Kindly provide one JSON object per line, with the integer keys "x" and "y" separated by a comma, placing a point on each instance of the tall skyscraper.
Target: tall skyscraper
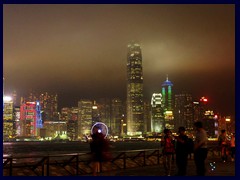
{"x": 86, "y": 110}
{"x": 183, "y": 111}
{"x": 31, "y": 120}
{"x": 135, "y": 116}
{"x": 117, "y": 117}
{"x": 157, "y": 118}
{"x": 167, "y": 96}
{"x": 8, "y": 119}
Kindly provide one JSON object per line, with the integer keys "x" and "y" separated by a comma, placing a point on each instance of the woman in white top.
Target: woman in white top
{"x": 200, "y": 149}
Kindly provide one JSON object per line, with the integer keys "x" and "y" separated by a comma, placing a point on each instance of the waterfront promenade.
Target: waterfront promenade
{"x": 222, "y": 169}
{"x": 140, "y": 162}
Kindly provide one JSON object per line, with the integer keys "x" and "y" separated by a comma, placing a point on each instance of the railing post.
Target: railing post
{"x": 124, "y": 160}
{"x": 11, "y": 168}
{"x": 144, "y": 158}
{"x": 45, "y": 166}
{"x": 76, "y": 164}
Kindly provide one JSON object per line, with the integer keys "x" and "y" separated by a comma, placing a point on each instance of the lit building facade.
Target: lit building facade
{"x": 8, "y": 118}
{"x": 48, "y": 102}
{"x": 55, "y": 130}
{"x": 135, "y": 121}
{"x": 167, "y": 99}
{"x": 73, "y": 123}
{"x": 204, "y": 113}
{"x": 157, "y": 118}
{"x": 85, "y": 116}
{"x": 147, "y": 116}
{"x": 104, "y": 112}
{"x": 16, "y": 116}
{"x": 117, "y": 117}
{"x": 30, "y": 119}
{"x": 183, "y": 111}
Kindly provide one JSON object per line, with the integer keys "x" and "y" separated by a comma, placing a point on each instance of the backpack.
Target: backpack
{"x": 169, "y": 146}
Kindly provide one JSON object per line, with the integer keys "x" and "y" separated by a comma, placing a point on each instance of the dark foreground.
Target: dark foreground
{"x": 222, "y": 169}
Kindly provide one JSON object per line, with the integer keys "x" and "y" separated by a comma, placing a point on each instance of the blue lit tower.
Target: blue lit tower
{"x": 135, "y": 120}
{"x": 39, "y": 123}
{"x": 167, "y": 97}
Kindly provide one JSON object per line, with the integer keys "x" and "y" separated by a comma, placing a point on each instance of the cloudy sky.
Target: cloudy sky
{"x": 80, "y": 51}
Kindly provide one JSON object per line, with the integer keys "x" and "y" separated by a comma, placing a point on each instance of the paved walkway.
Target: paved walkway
{"x": 221, "y": 169}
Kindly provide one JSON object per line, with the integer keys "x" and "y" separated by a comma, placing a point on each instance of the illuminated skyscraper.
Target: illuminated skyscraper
{"x": 157, "y": 118}
{"x": 86, "y": 109}
{"x": 117, "y": 117}
{"x": 183, "y": 111}
{"x": 167, "y": 96}
{"x": 8, "y": 120}
{"x": 135, "y": 121}
{"x": 30, "y": 119}
{"x": 48, "y": 102}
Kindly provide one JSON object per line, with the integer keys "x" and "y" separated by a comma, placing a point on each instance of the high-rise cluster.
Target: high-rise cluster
{"x": 38, "y": 115}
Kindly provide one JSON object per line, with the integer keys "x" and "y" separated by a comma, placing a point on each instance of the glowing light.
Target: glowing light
{"x": 228, "y": 119}
{"x": 7, "y": 98}
{"x": 28, "y": 103}
{"x": 204, "y": 99}
{"x": 212, "y": 166}
{"x": 94, "y": 107}
{"x": 102, "y": 128}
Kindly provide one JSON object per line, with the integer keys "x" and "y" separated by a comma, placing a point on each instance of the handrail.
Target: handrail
{"x": 41, "y": 165}
{"x": 77, "y": 163}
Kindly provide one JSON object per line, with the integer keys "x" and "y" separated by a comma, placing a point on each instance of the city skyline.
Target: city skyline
{"x": 80, "y": 51}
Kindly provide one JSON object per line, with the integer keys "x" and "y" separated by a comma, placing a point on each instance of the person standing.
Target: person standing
{"x": 100, "y": 151}
{"x": 232, "y": 146}
{"x": 223, "y": 143}
{"x": 200, "y": 148}
{"x": 182, "y": 152}
{"x": 168, "y": 150}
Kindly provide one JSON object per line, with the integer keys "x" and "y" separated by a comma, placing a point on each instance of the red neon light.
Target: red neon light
{"x": 204, "y": 99}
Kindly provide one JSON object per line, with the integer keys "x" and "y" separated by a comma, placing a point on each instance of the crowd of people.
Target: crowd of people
{"x": 180, "y": 146}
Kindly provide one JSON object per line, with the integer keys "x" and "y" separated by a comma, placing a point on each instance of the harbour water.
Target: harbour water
{"x": 52, "y": 148}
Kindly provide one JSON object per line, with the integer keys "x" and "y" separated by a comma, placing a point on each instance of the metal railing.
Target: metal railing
{"x": 75, "y": 164}
{"x": 81, "y": 163}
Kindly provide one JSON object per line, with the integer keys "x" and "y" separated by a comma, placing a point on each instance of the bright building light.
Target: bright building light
{"x": 228, "y": 119}
{"x": 7, "y": 98}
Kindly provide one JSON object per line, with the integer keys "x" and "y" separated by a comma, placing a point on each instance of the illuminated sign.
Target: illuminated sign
{"x": 29, "y": 103}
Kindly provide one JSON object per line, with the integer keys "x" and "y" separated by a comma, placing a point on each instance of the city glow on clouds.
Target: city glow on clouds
{"x": 80, "y": 50}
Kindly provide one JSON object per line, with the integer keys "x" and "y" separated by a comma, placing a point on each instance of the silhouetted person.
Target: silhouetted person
{"x": 100, "y": 151}
{"x": 223, "y": 143}
{"x": 200, "y": 148}
{"x": 232, "y": 146}
{"x": 168, "y": 151}
{"x": 182, "y": 152}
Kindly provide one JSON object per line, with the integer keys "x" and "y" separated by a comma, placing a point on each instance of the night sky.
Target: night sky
{"x": 80, "y": 51}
